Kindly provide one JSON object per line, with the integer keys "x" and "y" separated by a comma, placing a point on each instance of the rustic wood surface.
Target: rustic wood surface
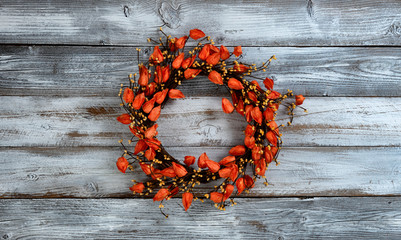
{"x": 98, "y": 71}
{"x": 268, "y": 218}
{"x": 61, "y": 64}
{"x": 196, "y": 121}
{"x": 250, "y": 23}
{"x": 309, "y": 171}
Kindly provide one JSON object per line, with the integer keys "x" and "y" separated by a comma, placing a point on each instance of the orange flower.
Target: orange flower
{"x": 138, "y": 188}
{"x": 260, "y": 167}
{"x": 148, "y": 106}
{"x": 215, "y": 77}
{"x": 273, "y": 126}
{"x": 152, "y": 131}
{"x": 124, "y": 118}
{"x": 234, "y": 84}
{"x": 189, "y": 160}
{"x": 234, "y": 97}
{"x": 248, "y": 110}
{"x": 143, "y": 76}
{"x": 154, "y": 114}
{"x": 249, "y": 142}
{"x": 128, "y": 95}
{"x": 274, "y": 151}
{"x": 138, "y": 101}
{"x": 234, "y": 172}
{"x": 191, "y": 73}
{"x": 224, "y": 53}
{"x": 274, "y": 106}
{"x": 202, "y": 160}
{"x": 225, "y": 172}
{"x": 227, "y": 106}
{"x": 257, "y": 115}
{"x": 168, "y": 172}
{"x": 256, "y": 153}
{"x": 268, "y": 114}
{"x": 158, "y": 75}
{"x": 150, "y": 154}
{"x": 269, "y": 83}
{"x": 153, "y": 143}
{"x": 150, "y": 89}
{"x": 178, "y": 60}
{"x": 214, "y": 49}
{"x": 229, "y": 190}
{"x": 271, "y": 137}
{"x": 227, "y": 160}
{"x": 146, "y": 168}
{"x": 252, "y": 96}
{"x": 157, "y": 56}
{"x": 160, "y": 96}
{"x": 175, "y": 93}
{"x": 240, "y": 107}
{"x": 161, "y": 194}
{"x": 166, "y": 73}
{"x": 156, "y": 174}
{"x": 237, "y": 150}
{"x": 187, "y": 198}
{"x": 213, "y": 59}
{"x": 274, "y": 95}
{"x": 188, "y": 62}
{"x": 171, "y": 44}
{"x": 212, "y": 165}
{"x": 237, "y": 51}
{"x": 230, "y": 171}
{"x": 240, "y": 185}
{"x": 250, "y": 130}
{"x": 254, "y": 82}
{"x": 240, "y": 68}
{"x": 205, "y": 52}
{"x": 180, "y": 43}
{"x": 268, "y": 155}
{"x": 299, "y": 99}
{"x": 179, "y": 169}
{"x": 140, "y": 146}
{"x": 249, "y": 183}
{"x": 122, "y": 164}
{"x": 196, "y": 34}
{"x": 216, "y": 197}
{"x": 137, "y": 131}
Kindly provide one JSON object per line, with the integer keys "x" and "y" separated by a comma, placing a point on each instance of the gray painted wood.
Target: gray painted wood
{"x": 98, "y": 71}
{"x": 271, "y": 218}
{"x": 195, "y": 121}
{"x": 90, "y": 172}
{"x": 256, "y": 23}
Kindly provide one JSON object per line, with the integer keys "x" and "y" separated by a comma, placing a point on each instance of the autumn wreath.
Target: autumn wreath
{"x": 168, "y": 67}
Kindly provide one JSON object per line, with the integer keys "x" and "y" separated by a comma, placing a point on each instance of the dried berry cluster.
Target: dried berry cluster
{"x": 145, "y": 96}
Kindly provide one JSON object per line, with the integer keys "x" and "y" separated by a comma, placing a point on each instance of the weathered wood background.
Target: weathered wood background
{"x": 61, "y": 64}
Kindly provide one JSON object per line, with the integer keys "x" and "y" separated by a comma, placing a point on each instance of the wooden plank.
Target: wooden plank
{"x": 87, "y": 172}
{"x": 256, "y": 23}
{"x": 98, "y": 71}
{"x": 195, "y": 121}
{"x": 276, "y": 218}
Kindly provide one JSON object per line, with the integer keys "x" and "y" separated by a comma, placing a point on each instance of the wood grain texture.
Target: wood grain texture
{"x": 99, "y": 71}
{"x": 195, "y": 121}
{"x": 275, "y": 218}
{"x": 90, "y": 172}
{"x": 256, "y": 23}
